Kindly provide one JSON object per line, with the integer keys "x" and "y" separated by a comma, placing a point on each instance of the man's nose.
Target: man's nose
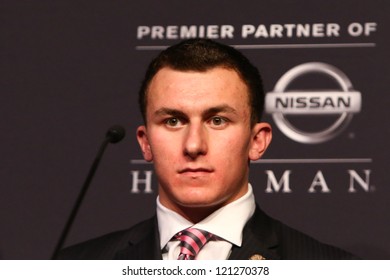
{"x": 195, "y": 143}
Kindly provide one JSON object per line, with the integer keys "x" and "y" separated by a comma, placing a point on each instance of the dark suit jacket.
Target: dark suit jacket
{"x": 262, "y": 236}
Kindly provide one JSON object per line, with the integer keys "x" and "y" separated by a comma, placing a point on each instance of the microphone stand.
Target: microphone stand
{"x": 114, "y": 135}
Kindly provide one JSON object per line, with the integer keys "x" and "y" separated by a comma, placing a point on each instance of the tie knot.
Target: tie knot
{"x": 191, "y": 241}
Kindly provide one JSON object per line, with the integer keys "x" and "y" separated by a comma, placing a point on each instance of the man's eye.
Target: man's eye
{"x": 218, "y": 121}
{"x": 172, "y": 122}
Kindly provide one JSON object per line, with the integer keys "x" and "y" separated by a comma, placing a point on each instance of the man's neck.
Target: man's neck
{"x": 196, "y": 214}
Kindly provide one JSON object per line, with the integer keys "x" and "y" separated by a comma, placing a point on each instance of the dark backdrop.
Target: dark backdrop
{"x": 71, "y": 69}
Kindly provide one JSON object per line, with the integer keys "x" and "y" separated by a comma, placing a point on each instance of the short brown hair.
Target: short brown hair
{"x": 202, "y": 55}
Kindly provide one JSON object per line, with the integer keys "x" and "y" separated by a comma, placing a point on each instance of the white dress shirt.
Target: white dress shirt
{"x": 226, "y": 222}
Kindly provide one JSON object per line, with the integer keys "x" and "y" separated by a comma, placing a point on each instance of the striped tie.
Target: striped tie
{"x": 191, "y": 241}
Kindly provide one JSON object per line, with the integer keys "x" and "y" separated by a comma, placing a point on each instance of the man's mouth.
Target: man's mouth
{"x": 195, "y": 171}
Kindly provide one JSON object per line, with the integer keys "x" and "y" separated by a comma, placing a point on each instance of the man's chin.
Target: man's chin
{"x": 200, "y": 204}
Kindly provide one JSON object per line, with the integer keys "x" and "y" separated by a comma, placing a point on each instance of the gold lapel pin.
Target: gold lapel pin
{"x": 257, "y": 257}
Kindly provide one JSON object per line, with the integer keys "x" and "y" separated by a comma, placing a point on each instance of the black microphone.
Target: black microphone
{"x": 115, "y": 134}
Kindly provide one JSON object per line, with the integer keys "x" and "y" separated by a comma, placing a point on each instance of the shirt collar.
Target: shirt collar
{"x": 226, "y": 222}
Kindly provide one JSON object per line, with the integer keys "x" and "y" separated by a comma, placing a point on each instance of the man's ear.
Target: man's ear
{"x": 261, "y": 138}
{"x": 143, "y": 141}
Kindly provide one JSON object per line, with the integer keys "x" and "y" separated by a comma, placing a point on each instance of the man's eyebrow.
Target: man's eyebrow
{"x": 220, "y": 109}
{"x": 168, "y": 111}
{"x": 164, "y": 111}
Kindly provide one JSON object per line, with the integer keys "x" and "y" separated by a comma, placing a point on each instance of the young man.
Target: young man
{"x": 202, "y": 104}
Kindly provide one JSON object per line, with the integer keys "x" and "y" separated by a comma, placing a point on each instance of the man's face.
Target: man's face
{"x": 199, "y": 137}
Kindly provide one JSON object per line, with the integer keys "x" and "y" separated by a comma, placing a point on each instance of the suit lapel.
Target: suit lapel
{"x": 144, "y": 246}
{"x": 259, "y": 239}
